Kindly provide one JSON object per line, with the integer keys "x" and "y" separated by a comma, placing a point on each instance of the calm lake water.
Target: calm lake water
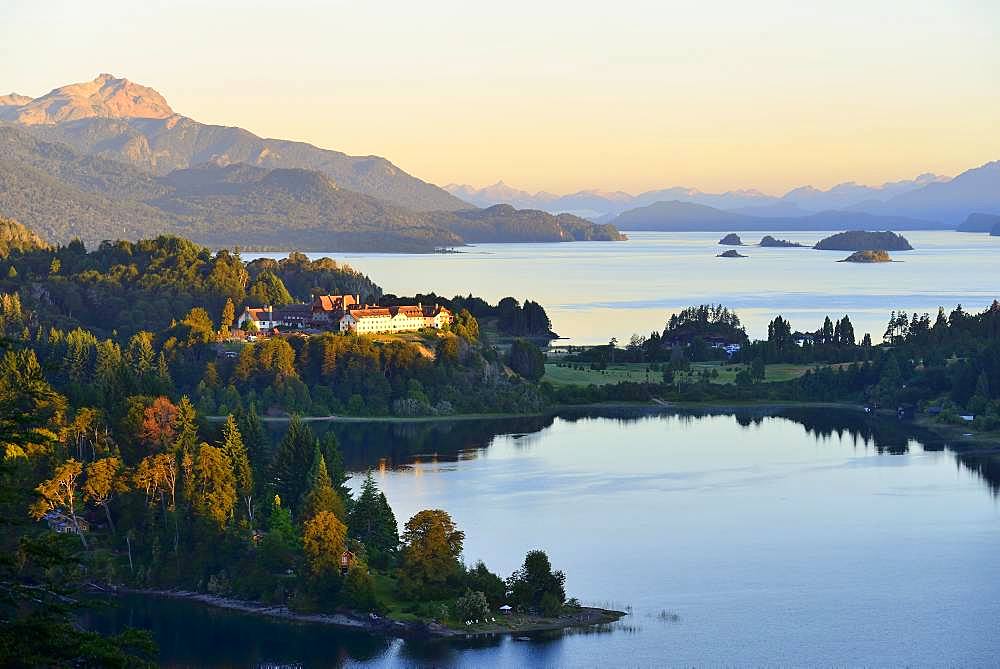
{"x": 801, "y": 538}
{"x": 597, "y": 290}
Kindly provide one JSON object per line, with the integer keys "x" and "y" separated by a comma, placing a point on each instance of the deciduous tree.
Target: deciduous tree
{"x": 323, "y": 541}
{"x": 431, "y": 547}
{"x": 105, "y": 478}
{"x": 159, "y": 424}
{"x": 59, "y": 494}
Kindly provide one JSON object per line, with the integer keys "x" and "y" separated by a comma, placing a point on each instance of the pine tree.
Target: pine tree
{"x": 293, "y": 461}
{"x": 186, "y": 427}
{"x": 335, "y": 465}
{"x": 320, "y": 496}
{"x": 372, "y": 521}
{"x": 255, "y": 439}
{"x": 163, "y": 379}
{"x": 232, "y": 445}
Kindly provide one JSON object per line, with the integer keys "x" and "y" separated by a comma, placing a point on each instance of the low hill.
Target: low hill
{"x": 863, "y": 240}
{"x": 979, "y": 223}
{"x": 678, "y": 216}
{"x": 16, "y": 237}
{"x": 504, "y": 223}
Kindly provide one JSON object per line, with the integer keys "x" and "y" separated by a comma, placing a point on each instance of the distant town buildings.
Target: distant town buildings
{"x": 344, "y": 313}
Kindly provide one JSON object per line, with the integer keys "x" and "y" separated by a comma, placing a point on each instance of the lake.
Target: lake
{"x": 799, "y": 537}
{"x": 597, "y": 290}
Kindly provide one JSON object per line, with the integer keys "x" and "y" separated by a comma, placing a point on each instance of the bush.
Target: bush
{"x": 471, "y": 606}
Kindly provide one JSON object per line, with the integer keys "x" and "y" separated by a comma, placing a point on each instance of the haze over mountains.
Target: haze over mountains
{"x": 110, "y": 158}
{"x": 928, "y": 201}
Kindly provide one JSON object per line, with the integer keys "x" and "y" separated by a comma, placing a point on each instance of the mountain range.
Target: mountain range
{"x": 927, "y": 201}
{"x": 110, "y": 158}
{"x": 62, "y": 194}
{"x": 675, "y": 216}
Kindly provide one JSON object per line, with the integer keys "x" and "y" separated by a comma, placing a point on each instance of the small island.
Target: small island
{"x": 868, "y": 257}
{"x": 863, "y": 240}
{"x": 731, "y": 253}
{"x": 732, "y": 239}
{"x": 770, "y": 242}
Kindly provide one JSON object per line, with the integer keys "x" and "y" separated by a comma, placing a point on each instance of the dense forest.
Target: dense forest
{"x": 135, "y": 454}
{"x": 134, "y": 320}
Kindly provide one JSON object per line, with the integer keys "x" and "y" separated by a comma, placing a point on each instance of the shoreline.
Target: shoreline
{"x": 959, "y": 434}
{"x": 584, "y": 617}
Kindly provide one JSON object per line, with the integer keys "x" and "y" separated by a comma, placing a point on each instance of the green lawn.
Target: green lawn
{"x": 568, "y": 376}
{"x": 637, "y": 372}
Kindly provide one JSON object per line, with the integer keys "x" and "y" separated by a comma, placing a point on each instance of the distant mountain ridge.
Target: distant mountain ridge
{"x": 110, "y": 159}
{"x": 104, "y": 97}
{"x": 603, "y": 206}
{"x": 117, "y": 119}
{"x": 973, "y": 191}
{"x": 678, "y": 216}
{"x": 62, "y": 194}
{"x": 978, "y": 222}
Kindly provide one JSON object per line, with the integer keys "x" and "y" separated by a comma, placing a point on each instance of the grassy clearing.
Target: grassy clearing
{"x": 568, "y": 376}
{"x": 639, "y": 372}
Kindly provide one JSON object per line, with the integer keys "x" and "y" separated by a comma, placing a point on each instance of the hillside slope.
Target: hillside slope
{"x": 117, "y": 119}
{"x": 63, "y": 194}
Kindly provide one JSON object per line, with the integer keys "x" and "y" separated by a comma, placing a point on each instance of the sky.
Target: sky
{"x": 558, "y": 96}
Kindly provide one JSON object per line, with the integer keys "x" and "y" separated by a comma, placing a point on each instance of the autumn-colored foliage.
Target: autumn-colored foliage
{"x": 159, "y": 424}
{"x": 323, "y": 540}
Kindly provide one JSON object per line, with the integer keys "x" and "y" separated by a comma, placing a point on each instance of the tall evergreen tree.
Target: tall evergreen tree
{"x": 256, "y": 440}
{"x": 232, "y": 445}
{"x": 293, "y": 462}
{"x": 186, "y": 427}
{"x": 330, "y": 448}
{"x": 372, "y": 521}
{"x": 320, "y": 496}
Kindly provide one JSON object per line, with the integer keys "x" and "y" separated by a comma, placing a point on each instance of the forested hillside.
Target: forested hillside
{"x": 65, "y": 195}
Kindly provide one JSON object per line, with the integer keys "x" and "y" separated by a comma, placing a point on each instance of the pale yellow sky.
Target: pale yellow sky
{"x": 559, "y": 96}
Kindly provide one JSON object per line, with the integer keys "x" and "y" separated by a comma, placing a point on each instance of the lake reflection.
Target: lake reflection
{"x": 797, "y": 537}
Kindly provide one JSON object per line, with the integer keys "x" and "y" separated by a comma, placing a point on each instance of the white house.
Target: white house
{"x": 373, "y": 320}
{"x": 264, "y": 318}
